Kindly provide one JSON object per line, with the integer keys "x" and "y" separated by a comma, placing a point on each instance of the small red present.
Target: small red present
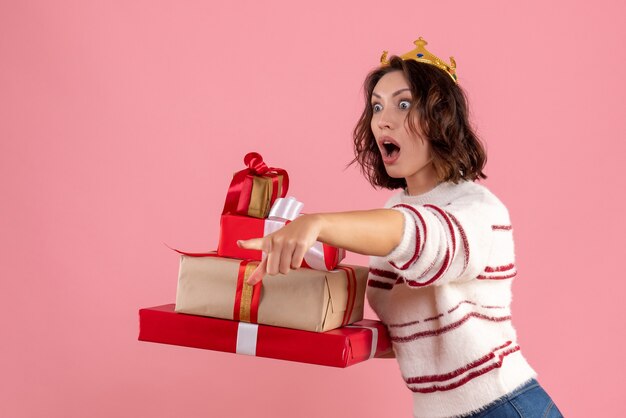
{"x": 341, "y": 347}
{"x": 254, "y": 189}
{"x": 233, "y": 227}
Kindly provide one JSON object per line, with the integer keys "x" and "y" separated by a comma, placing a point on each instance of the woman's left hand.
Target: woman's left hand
{"x": 284, "y": 248}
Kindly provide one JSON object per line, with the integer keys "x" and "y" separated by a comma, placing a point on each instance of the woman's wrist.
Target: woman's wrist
{"x": 318, "y": 224}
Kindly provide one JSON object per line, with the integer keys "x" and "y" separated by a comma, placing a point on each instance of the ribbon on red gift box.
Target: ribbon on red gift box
{"x": 319, "y": 256}
{"x": 238, "y": 195}
{"x": 247, "y": 335}
{"x": 374, "y": 338}
{"x": 247, "y": 338}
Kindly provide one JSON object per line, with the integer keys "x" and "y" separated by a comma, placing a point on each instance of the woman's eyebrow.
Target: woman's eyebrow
{"x": 394, "y": 94}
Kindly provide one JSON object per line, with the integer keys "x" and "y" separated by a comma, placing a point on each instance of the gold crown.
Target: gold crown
{"x": 422, "y": 55}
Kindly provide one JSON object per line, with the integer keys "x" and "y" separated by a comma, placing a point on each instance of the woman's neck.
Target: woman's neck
{"x": 421, "y": 182}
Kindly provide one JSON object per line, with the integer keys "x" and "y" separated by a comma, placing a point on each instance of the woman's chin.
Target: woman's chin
{"x": 394, "y": 173}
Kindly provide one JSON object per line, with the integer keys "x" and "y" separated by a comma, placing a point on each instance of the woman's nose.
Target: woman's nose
{"x": 385, "y": 119}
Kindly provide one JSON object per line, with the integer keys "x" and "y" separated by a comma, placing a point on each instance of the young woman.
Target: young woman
{"x": 442, "y": 252}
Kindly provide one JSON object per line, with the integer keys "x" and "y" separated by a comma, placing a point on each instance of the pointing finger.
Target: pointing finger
{"x": 251, "y": 244}
{"x": 258, "y": 273}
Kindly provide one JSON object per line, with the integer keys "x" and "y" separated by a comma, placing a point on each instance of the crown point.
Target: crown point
{"x": 383, "y": 58}
{"x": 420, "y": 41}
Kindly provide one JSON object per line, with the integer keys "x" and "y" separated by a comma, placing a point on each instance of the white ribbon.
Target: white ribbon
{"x": 284, "y": 209}
{"x": 374, "y": 338}
{"x": 246, "y": 338}
{"x": 287, "y": 209}
{"x": 314, "y": 257}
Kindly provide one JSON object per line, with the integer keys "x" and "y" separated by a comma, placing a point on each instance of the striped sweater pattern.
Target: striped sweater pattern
{"x": 445, "y": 295}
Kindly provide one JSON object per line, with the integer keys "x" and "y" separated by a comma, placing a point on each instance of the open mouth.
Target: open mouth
{"x": 391, "y": 149}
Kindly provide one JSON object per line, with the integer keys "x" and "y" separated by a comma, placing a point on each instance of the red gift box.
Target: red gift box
{"x": 341, "y": 347}
{"x": 245, "y": 198}
{"x": 232, "y": 228}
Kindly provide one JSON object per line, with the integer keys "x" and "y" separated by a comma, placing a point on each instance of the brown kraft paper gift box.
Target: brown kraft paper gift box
{"x": 304, "y": 299}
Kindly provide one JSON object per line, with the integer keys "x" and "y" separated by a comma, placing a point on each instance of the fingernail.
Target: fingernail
{"x": 239, "y": 242}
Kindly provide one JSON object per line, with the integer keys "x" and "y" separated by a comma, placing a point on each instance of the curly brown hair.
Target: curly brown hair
{"x": 440, "y": 107}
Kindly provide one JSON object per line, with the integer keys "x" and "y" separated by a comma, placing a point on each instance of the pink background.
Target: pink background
{"x": 121, "y": 124}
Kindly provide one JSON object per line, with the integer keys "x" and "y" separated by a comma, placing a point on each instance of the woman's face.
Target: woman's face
{"x": 404, "y": 153}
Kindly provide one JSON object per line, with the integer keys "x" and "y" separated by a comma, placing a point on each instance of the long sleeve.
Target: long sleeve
{"x": 444, "y": 243}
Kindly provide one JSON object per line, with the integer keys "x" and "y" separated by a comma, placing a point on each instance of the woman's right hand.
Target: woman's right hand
{"x": 284, "y": 249}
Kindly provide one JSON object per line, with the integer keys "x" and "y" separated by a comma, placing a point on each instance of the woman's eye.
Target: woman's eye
{"x": 404, "y": 104}
{"x": 376, "y": 107}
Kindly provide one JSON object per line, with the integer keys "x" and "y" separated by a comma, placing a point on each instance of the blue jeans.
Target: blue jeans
{"x": 527, "y": 401}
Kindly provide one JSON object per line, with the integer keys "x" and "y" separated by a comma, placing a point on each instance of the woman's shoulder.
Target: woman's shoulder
{"x": 479, "y": 190}
{"x": 487, "y": 194}
{"x": 448, "y": 194}
{"x": 467, "y": 201}
{"x": 480, "y": 198}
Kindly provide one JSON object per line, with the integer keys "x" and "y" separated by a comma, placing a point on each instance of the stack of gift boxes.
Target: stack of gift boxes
{"x": 313, "y": 314}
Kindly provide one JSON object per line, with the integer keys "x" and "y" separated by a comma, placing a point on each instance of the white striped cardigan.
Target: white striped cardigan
{"x": 445, "y": 295}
